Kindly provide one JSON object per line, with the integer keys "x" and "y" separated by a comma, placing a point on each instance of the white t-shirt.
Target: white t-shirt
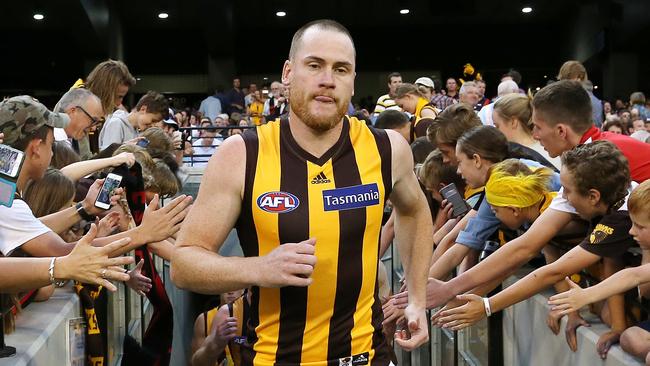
{"x": 199, "y": 149}
{"x": 60, "y": 135}
{"x": 560, "y": 203}
{"x": 18, "y": 225}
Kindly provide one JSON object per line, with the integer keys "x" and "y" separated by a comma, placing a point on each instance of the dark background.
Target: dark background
{"x": 219, "y": 39}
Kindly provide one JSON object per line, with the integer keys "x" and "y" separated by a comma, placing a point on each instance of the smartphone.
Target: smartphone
{"x": 143, "y": 142}
{"x": 451, "y": 194}
{"x": 111, "y": 183}
{"x": 10, "y": 161}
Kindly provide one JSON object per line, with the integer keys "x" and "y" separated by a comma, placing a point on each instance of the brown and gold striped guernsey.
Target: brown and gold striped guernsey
{"x": 339, "y": 199}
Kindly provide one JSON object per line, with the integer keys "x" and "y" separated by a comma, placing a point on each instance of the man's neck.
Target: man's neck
{"x": 23, "y": 178}
{"x": 313, "y": 141}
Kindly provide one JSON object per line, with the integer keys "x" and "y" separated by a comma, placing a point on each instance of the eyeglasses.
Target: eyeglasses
{"x": 94, "y": 121}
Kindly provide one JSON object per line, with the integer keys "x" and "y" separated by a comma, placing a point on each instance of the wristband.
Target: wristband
{"x": 54, "y": 281}
{"x": 82, "y": 212}
{"x": 486, "y": 303}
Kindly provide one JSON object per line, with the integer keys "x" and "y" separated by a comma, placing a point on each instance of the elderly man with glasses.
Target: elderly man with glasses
{"x": 85, "y": 111}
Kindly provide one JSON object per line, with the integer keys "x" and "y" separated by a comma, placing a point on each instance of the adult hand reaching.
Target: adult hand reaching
{"x": 463, "y": 316}
{"x": 93, "y": 192}
{"x": 89, "y": 264}
{"x": 160, "y": 223}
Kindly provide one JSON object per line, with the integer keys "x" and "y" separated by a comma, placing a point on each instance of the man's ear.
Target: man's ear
{"x": 143, "y": 109}
{"x": 594, "y": 196}
{"x": 286, "y": 73}
{"x": 516, "y": 211}
{"x": 33, "y": 148}
{"x": 562, "y": 130}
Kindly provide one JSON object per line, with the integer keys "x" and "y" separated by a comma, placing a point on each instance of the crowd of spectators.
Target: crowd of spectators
{"x": 558, "y": 165}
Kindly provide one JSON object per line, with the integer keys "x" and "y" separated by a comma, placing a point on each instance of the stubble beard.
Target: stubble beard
{"x": 299, "y": 106}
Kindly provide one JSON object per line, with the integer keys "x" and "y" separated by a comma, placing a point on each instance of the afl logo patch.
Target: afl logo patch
{"x": 278, "y": 202}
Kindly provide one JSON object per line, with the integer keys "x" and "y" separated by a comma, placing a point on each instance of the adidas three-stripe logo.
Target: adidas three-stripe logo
{"x": 320, "y": 179}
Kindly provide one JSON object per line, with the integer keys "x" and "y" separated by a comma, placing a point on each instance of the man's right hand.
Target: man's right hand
{"x": 160, "y": 223}
{"x": 289, "y": 264}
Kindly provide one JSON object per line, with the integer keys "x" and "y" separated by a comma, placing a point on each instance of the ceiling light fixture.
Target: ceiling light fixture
{"x": 526, "y": 9}
{"x": 163, "y": 15}
{"x": 281, "y": 13}
{"x": 404, "y": 11}
{"x": 39, "y": 16}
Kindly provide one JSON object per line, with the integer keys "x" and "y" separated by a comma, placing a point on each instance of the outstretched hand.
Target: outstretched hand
{"x": 89, "y": 264}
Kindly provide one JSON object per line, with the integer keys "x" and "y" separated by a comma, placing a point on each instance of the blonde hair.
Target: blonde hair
{"x": 104, "y": 80}
{"x": 572, "y": 70}
{"x": 159, "y": 141}
{"x": 517, "y": 106}
{"x": 407, "y": 88}
{"x": 513, "y": 184}
{"x": 49, "y": 194}
{"x": 639, "y": 202}
{"x": 162, "y": 180}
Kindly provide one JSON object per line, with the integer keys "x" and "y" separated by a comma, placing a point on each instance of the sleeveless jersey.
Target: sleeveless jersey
{"x": 339, "y": 199}
{"x": 239, "y": 310}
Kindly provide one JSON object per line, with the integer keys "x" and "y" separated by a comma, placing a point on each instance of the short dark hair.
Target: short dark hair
{"x": 38, "y": 134}
{"x": 155, "y": 103}
{"x": 452, "y": 123}
{"x": 515, "y": 75}
{"x": 323, "y": 24}
{"x": 565, "y": 101}
{"x": 421, "y": 148}
{"x": 599, "y": 165}
{"x": 391, "y": 119}
{"x": 393, "y": 75}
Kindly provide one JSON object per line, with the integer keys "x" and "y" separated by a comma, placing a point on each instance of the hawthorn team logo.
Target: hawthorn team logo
{"x": 600, "y": 233}
{"x": 278, "y": 202}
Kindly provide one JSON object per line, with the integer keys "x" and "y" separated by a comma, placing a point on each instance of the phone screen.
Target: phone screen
{"x": 111, "y": 183}
{"x": 10, "y": 161}
{"x": 451, "y": 194}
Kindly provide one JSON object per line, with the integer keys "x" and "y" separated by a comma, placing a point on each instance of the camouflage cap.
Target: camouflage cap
{"x": 22, "y": 115}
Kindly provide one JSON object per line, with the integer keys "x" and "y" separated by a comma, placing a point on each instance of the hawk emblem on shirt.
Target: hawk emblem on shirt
{"x": 600, "y": 233}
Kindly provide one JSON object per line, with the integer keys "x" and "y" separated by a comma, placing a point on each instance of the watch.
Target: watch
{"x": 84, "y": 215}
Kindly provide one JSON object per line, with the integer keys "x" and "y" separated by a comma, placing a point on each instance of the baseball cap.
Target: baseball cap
{"x": 23, "y": 115}
{"x": 425, "y": 81}
{"x": 172, "y": 123}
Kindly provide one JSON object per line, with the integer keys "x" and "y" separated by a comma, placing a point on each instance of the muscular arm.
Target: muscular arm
{"x": 512, "y": 255}
{"x": 195, "y": 263}
{"x": 413, "y": 226}
{"x": 387, "y": 235}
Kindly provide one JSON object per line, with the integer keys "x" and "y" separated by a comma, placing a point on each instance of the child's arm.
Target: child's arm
{"x": 644, "y": 289}
{"x": 578, "y": 297}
